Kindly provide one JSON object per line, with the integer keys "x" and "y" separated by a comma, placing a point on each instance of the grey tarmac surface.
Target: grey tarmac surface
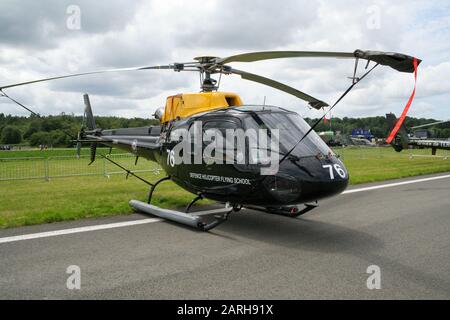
{"x": 405, "y": 230}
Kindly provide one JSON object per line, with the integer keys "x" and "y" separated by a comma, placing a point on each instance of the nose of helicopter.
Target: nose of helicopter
{"x": 329, "y": 177}
{"x": 308, "y": 179}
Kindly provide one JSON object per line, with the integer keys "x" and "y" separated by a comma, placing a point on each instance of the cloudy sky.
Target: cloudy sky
{"x": 54, "y": 37}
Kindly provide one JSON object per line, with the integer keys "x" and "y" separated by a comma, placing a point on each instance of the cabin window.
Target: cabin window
{"x": 222, "y": 126}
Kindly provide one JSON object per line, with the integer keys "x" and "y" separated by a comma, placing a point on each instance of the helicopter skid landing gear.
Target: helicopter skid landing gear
{"x": 296, "y": 213}
{"x": 288, "y": 211}
{"x": 196, "y": 221}
{"x": 199, "y": 197}
{"x": 153, "y": 187}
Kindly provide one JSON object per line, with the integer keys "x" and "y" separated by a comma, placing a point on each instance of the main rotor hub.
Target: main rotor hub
{"x": 209, "y": 84}
{"x": 207, "y": 67}
{"x": 206, "y": 59}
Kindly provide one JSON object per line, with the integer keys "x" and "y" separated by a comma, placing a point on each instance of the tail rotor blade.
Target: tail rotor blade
{"x": 401, "y": 139}
{"x": 93, "y": 152}
{"x": 78, "y": 149}
{"x": 79, "y": 144}
{"x": 89, "y": 115}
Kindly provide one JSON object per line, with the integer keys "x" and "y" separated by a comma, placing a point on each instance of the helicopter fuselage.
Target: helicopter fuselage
{"x": 310, "y": 172}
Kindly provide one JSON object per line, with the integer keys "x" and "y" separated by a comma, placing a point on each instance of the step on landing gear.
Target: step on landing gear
{"x": 293, "y": 211}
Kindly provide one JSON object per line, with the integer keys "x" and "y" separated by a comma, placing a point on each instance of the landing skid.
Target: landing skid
{"x": 289, "y": 211}
{"x": 193, "y": 220}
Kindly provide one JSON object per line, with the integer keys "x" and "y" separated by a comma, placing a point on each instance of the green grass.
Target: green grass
{"x": 27, "y": 202}
{"x": 378, "y": 164}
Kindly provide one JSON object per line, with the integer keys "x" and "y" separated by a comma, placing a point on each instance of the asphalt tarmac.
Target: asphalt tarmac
{"x": 402, "y": 229}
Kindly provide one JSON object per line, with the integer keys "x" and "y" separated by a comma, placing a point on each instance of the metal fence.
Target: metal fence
{"x": 363, "y": 153}
{"x": 69, "y": 166}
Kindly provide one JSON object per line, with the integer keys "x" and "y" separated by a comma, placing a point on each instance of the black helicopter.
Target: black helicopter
{"x": 307, "y": 169}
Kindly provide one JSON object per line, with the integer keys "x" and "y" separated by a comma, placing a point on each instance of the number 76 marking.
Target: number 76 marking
{"x": 337, "y": 167}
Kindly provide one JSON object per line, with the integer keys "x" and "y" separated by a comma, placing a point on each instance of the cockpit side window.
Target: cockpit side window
{"x": 291, "y": 129}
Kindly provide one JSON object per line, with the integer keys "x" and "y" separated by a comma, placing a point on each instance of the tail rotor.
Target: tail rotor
{"x": 401, "y": 140}
{"x": 88, "y": 128}
{"x": 89, "y": 119}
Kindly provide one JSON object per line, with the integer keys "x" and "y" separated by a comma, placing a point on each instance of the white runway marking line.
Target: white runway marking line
{"x": 152, "y": 220}
{"x": 77, "y": 230}
{"x": 395, "y": 184}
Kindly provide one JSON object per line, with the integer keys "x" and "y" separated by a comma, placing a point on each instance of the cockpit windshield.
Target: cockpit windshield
{"x": 291, "y": 128}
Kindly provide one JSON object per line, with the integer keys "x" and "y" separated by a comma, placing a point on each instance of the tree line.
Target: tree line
{"x": 51, "y": 130}
{"x": 378, "y": 126}
{"x": 56, "y": 131}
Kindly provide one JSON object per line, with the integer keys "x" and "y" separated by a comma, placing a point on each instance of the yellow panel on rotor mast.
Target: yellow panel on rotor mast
{"x": 186, "y": 104}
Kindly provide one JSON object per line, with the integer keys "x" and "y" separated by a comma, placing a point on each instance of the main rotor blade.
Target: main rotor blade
{"x": 398, "y": 61}
{"x": 313, "y": 102}
{"x": 266, "y": 55}
{"x": 88, "y": 73}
